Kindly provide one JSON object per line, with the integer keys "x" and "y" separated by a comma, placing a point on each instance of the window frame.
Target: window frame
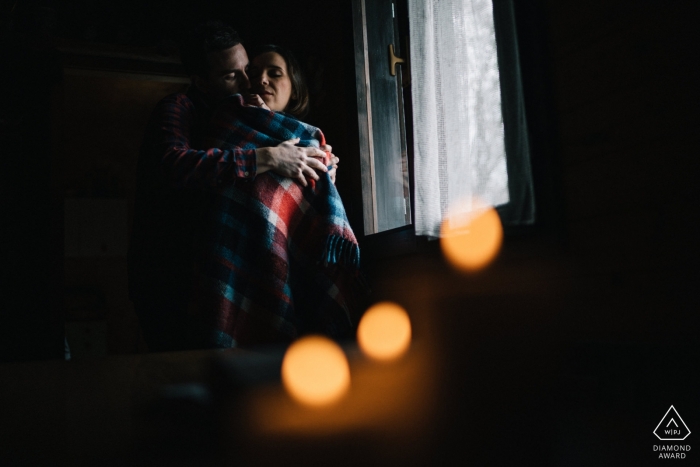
{"x": 549, "y": 223}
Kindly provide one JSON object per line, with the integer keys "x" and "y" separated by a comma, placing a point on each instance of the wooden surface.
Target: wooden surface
{"x": 77, "y": 412}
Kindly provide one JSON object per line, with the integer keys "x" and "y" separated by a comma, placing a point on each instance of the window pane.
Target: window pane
{"x": 385, "y": 182}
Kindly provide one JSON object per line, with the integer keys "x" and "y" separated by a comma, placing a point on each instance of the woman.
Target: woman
{"x": 285, "y": 261}
{"x": 278, "y": 84}
{"x": 276, "y": 81}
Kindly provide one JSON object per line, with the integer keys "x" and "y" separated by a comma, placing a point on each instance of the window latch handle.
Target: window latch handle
{"x": 393, "y": 60}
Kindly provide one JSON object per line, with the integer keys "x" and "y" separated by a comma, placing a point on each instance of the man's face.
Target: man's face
{"x": 227, "y": 73}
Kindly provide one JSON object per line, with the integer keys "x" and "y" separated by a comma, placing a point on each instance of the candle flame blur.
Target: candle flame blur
{"x": 315, "y": 371}
{"x": 470, "y": 241}
{"x": 384, "y": 332}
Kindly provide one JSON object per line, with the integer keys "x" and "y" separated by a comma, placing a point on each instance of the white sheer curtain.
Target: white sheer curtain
{"x": 459, "y": 151}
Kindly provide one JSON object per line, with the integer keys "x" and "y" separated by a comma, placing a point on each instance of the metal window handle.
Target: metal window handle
{"x": 393, "y": 60}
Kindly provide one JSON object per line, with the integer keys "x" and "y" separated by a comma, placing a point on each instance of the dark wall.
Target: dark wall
{"x": 626, "y": 98}
{"x": 30, "y": 258}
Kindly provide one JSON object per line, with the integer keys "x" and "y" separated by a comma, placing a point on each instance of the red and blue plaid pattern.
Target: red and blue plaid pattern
{"x": 187, "y": 166}
{"x": 280, "y": 260}
{"x": 175, "y": 170}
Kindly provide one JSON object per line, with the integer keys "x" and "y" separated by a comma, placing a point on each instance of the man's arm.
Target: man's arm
{"x": 186, "y": 166}
{"x": 171, "y": 133}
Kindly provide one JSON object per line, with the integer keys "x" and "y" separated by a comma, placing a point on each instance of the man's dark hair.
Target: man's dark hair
{"x": 211, "y": 36}
{"x": 299, "y": 103}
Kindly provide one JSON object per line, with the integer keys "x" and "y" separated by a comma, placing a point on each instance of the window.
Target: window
{"x": 385, "y": 108}
{"x": 383, "y": 148}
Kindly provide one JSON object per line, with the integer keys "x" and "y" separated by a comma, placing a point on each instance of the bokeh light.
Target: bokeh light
{"x": 384, "y": 332}
{"x": 470, "y": 241}
{"x": 315, "y": 371}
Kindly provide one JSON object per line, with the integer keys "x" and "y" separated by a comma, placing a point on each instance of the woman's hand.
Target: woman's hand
{"x": 254, "y": 100}
{"x": 334, "y": 161}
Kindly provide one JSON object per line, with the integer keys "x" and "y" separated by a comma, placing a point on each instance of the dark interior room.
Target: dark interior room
{"x": 569, "y": 349}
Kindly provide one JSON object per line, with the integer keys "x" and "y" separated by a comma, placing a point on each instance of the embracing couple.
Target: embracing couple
{"x": 239, "y": 235}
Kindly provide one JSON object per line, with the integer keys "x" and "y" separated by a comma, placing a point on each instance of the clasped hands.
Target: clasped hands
{"x": 288, "y": 160}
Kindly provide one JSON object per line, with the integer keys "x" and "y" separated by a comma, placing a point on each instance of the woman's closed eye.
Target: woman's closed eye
{"x": 255, "y": 73}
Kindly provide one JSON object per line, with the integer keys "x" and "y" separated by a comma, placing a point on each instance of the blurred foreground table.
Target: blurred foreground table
{"x": 88, "y": 412}
{"x": 209, "y": 408}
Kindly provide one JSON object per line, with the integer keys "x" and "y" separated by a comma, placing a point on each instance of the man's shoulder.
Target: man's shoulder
{"x": 177, "y": 99}
{"x": 174, "y": 107}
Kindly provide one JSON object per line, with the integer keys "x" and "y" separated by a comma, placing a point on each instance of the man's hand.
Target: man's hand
{"x": 291, "y": 161}
{"x": 334, "y": 161}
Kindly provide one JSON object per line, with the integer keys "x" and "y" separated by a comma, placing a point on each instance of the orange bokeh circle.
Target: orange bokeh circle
{"x": 315, "y": 371}
{"x": 384, "y": 332}
{"x": 471, "y": 241}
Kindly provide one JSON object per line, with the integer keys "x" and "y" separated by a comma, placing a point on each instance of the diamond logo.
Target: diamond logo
{"x": 671, "y": 427}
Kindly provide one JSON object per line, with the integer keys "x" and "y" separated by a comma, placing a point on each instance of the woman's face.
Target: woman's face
{"x": 270, "y": 80}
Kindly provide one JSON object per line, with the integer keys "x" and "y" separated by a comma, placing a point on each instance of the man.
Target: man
{"x": 174, "y": 171}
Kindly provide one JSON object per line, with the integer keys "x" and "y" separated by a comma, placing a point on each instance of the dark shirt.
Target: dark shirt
{"x": 175, "y": 173}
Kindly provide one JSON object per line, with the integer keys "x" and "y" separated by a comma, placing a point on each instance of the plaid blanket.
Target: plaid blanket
{"x": 278, "y": 260}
